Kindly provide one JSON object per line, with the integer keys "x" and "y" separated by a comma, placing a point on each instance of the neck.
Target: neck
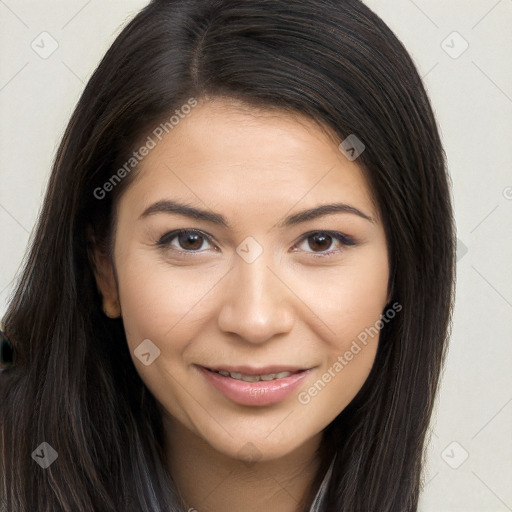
{"x": 209, "y": 481}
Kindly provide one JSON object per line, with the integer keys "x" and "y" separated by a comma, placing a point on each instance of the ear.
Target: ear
{"x": 104, "y": 274}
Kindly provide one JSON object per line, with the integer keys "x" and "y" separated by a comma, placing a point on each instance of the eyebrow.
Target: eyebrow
{"x": 177, "y": 208}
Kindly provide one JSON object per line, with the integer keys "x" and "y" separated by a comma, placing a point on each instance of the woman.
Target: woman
{"x": 239, "y": 292}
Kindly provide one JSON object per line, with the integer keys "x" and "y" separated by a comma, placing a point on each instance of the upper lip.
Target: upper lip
{"x": 250, "y": 370}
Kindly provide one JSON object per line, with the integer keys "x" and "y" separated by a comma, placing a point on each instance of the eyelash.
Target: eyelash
{"x": 165, "y": 241}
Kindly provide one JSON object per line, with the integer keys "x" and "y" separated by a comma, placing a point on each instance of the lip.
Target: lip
{"x": 250, "y": 370}
{"x": 254, "y": 393}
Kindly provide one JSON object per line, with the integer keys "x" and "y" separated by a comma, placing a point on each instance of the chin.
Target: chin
{"x": 250, "y": 449}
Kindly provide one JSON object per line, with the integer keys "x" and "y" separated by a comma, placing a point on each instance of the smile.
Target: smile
{"x": 254, "y": 378}
{"x": 252, "y": 388}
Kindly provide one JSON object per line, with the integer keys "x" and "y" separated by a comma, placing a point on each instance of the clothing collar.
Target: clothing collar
{"x": 318, "y": 502}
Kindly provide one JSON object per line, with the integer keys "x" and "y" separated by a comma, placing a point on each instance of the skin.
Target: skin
{"x": 289, "y": 306}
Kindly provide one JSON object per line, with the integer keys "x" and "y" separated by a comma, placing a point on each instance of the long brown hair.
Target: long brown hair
{"x": 74, "y": 384}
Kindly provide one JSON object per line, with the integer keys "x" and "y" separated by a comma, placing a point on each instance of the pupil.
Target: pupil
{"x": 190, "y": 241}
{"x": 319, "y": 241}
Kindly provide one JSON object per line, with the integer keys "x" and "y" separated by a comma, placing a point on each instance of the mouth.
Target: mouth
{"x": 255, "y": 386}
{"x": 266, "y": 374}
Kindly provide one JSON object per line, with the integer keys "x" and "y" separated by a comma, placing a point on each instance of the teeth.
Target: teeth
{"x": 250, "y": 378}
{"x": 254, "y": 378}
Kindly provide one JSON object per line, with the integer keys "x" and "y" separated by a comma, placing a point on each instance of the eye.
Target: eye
{"x": 321, "y": 241}
{"x": 185, "y": 240}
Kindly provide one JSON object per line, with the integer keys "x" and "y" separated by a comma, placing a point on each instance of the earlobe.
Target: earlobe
{"x": 112, "y": 309}
{"x": 103, "y": 269}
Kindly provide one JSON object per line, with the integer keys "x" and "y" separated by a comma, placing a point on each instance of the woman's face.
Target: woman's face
{"x": 255, "y": 285}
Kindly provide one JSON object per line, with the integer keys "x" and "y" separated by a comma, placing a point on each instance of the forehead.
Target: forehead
{"x": 227, "y": 153}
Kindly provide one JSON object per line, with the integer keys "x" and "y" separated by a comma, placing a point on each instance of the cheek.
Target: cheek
{"x": 347, "y": 299}
{"x": 351, "y": 321}
{"x": 162, "y": 304}
{"x": 349, "y": 348}
{"x": 158, "y": 300}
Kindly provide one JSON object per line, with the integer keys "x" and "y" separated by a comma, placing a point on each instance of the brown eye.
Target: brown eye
{"x": 319, "y": 242}
{"x": 190, "y": 241}
{"x": 184, "y": 240}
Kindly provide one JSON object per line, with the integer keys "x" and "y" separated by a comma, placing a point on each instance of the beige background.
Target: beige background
{"x": 472, "y": 96}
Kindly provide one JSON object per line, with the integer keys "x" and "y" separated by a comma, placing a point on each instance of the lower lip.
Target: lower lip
{"x": 254, "y": 393}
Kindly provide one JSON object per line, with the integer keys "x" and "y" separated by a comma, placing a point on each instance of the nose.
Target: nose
{"x": 257, "y": 304}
